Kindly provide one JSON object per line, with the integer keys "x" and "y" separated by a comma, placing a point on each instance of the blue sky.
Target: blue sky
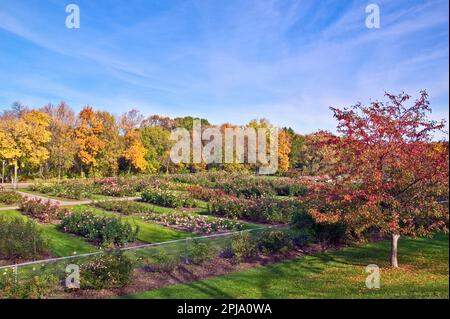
{"x": 228, "y": 61}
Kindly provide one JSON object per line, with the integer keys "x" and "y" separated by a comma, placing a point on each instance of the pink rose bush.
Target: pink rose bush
{"x": 44, "y": 211}
{"x": 194, "y": 223}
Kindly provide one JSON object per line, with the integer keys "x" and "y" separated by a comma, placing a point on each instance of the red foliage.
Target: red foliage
{"x": 391, "y": 176}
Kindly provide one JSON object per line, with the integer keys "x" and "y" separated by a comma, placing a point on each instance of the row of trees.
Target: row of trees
{"x": 53, "y": 141}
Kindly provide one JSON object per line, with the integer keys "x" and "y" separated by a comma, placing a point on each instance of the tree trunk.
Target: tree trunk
{"x": 3, "y": 172}
{"x": 15, "y": 176}
{"x": 394, "y": 241}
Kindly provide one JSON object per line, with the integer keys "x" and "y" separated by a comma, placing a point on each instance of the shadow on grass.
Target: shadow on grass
{"x": 334, "y": 274}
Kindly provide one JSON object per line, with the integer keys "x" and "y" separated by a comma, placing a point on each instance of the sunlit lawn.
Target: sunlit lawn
{"x": 424, "y": 273}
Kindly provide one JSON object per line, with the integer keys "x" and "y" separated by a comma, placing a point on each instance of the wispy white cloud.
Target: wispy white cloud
{"x": 285, "y": 60}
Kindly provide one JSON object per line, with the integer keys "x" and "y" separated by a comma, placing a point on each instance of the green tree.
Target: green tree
{"x": 157, "y": 142}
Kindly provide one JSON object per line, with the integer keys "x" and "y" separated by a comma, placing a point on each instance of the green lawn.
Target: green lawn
{"x": 63, "y": 244}
{"x": 159, "y": 209}
{"x": 154, "y": 233}
{"x": 424, "y": 273}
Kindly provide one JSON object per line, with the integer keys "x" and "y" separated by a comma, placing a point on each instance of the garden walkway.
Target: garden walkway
{"x": 63, "y": 202}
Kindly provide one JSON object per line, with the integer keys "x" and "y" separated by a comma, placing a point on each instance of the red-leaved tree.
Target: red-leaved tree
{"x": 391, "y": 176}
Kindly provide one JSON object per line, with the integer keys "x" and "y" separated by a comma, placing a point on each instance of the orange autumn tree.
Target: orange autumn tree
{"x": 87, "y": 138}
{"x": 391, "y": 177}
{"x": 135, "y": 150}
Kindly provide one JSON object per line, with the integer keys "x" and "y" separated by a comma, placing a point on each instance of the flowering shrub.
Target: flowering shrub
{"x": 167, "y": 198}
{"x": 269, "y": 210}
{"x": 112, "y": 270}
{"x": 20, "y": 238}
{"x": 101, "y": 229}
{"x": 229, "y": 206}
{"x": 126, "y": 207}
{"x": 194, "y": 223}
{"x": 244, "y": 185}
{"x": 264, "y": 210}
{"x": 76, "y": 189}
{"x": 36, "y": 287}
{"x": 289, "y": 187}
{"x": 205, "y": 194}
{"x": 43, "y": 210}
{"x": 247, "y": 187}
{"x": 9, "y": 197}
{"x": 115, "y": 187}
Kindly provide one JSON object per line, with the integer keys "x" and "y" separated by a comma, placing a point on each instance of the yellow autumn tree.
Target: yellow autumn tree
{"x": 61, "y": 147}
{"x": 284, "y": 149}
{"x": 135, "y": 150}
{"x": 34, "y": 145}
{"x": 23, "y": 140}
{"x": 9, "y": 148}
{"x": 87, "y": 138}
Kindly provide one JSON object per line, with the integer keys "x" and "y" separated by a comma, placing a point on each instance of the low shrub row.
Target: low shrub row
{"x": 34, "y": 287}
{"x": 167, "y": 198}
{"x": 103, "y": 230}
{"x": 125, "y": 207}
{"x": 9, "y": 197}
{"x": 241, "y": 247}
{"x": 108, "y": 270}
{"x": 245, "y": 246}
{"x": 110, "y": 186}
{"x": 44, "y": 211}
{"x": 115, "y": 187}
{"x": 246, "y": 185}
{"x": 194, "y": 223}
{"x": 263, "y": 210}
{"x": 285, "y": 186}
{"x": 75, "y": 189}
{"x": 203, "y": 193}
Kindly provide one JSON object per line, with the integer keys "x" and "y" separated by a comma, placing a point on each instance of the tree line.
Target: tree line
{"x": 55, "y": 142}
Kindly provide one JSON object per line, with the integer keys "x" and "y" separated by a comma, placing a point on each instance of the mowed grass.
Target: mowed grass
{"x": 148, "y": 232}
{"x": 60, "y": 244}
{"x": 423, "y": 273}
{"x": 63, "y": 244}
